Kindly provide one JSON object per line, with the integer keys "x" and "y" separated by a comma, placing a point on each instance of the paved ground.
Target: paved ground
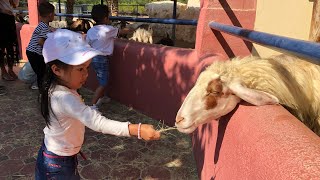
{"x": 109, "y": 157}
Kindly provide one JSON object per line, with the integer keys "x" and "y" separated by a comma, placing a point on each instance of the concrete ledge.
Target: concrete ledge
{"x": 257, "y": 143}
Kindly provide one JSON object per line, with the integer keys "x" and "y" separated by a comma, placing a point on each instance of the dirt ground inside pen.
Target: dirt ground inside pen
{"x": 108, "y": 157}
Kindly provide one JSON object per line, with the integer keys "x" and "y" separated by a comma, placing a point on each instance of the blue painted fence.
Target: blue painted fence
{"x": 310, "y": 51}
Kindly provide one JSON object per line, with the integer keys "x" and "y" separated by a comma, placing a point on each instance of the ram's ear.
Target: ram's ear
{"x": 252, "y": 96}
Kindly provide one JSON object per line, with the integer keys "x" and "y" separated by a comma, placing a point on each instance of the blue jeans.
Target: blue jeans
{"x": 52, "y": 166}
{"x": 101, "y": 67}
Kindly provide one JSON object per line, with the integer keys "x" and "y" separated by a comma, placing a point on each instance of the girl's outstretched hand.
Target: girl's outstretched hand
{"x": 146, "y": 132}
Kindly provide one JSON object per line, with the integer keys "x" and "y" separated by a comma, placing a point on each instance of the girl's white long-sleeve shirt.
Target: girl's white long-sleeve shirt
{"x": 65, "y": 135}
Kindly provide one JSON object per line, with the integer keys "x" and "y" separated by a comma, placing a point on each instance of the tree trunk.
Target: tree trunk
{"x": 113, "y": 6}
{"x": 315, "y": 22}
{"x": 70, "y": 4}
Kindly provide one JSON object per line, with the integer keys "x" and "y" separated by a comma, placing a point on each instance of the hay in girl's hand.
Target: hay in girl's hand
{"x": 162, "y": 128}
{"x": 167, "y": 129}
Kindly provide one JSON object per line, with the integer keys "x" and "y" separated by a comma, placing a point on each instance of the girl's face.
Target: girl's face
{"x": 72, "y": 77}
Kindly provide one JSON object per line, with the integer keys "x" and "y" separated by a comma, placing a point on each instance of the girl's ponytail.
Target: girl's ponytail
{"x": 45, "y": 94}
{"x": 49, "y": 82}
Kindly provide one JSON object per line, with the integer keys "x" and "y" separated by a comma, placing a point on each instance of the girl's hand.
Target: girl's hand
{"x": 147, "y": 132}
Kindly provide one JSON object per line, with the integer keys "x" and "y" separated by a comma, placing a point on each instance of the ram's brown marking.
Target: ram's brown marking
{"x": 214, "y": 90}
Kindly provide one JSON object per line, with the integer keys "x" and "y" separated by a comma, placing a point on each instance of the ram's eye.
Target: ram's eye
{"x": 214, "y": 88}
{"x": 211, "y": 100}
{"x": 214, "y": 93}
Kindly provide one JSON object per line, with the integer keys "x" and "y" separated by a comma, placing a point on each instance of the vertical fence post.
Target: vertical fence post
{"x": 315, "y": 22}
{"x": 59, "y": 9}
{"x": 174, "y": 16}
{"x": 137, "y": 7}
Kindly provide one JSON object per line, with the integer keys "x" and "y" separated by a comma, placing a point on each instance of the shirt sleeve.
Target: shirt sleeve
{"x": 74, "y": 108}
{"x": 43, "y": 33}
{"x": 112, "y": 32}
{"x": 88, "y": 38}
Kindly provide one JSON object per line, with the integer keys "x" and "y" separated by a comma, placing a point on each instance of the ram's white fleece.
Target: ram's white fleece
{"x": 287, "y": 80}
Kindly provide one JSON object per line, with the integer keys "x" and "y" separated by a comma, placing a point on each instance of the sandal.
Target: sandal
{"x": 7, "y": 77}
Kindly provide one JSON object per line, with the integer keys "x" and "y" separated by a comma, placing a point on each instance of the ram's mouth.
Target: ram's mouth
{"x": 186, "y": 129}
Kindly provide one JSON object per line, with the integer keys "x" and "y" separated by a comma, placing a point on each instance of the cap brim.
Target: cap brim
{"x": 80, "y": 56}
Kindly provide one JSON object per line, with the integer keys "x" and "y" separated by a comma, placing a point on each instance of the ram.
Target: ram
{"x": 142, "y": 35}
{"x": 285, "y": 80}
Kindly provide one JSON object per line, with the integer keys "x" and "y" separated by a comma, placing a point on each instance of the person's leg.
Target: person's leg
{"x": 4, "y": 73}
{"x": 38, "y": 65}
{"x": 12, "y": 40}
{"x": 39, "y": 169}
{"x": 4, "y": 41}
{"x": 10, "y": 61}
{"x": 101, "y": 67}
{"x": 99, "y": 93}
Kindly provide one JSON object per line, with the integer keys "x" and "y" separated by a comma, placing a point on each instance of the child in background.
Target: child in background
{"x": 68, "y": 57}
{"x": 101, "y": 37}
{"x": 34, "y": 49}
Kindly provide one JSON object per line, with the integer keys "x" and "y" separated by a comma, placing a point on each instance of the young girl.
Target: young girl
{"x": 67, "y": 57}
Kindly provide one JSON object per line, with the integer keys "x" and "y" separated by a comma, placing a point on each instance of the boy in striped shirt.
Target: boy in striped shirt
{"x": 34, "y": 49}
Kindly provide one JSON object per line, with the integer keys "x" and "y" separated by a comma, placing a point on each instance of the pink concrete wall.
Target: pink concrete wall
{"x": 239, "y": 13}
{"x": 257, "y": 143}
{"x": 25, "y": 30}
{"x": 153, "y": 79}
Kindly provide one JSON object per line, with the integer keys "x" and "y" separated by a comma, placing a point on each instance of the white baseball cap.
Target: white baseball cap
{"x": 68, "y": 47}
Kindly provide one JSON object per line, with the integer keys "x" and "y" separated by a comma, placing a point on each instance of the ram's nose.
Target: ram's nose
{"x": 179, "y": 119}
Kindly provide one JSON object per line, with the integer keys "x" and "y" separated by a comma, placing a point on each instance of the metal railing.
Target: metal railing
{"x": 172, "y": 21}
{"x": 134, "y": 19}
{"x": 131, "y": 19}
{"x": 308, "y": 50}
